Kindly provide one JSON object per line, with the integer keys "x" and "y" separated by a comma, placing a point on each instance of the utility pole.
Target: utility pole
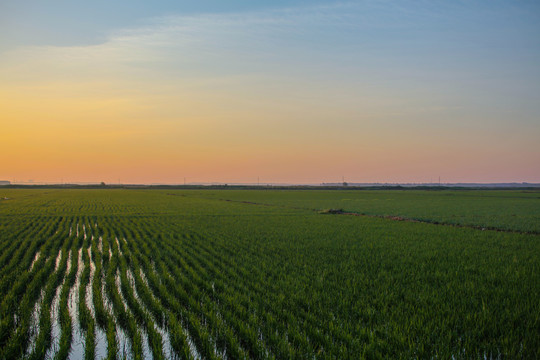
{"x": 258, "y": 181}
{"x": 439, "y": 181}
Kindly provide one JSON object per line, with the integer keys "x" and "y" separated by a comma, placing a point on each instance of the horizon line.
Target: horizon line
{"x": 263, "y": 184}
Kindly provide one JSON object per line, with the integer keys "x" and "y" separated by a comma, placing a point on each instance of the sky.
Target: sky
{"x": 281, "y": 91}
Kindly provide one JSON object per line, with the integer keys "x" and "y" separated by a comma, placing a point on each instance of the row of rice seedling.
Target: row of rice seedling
{"x": 264, "y": 297}
{"x": 86, "y": 319}
{"x": 187, "y": 276}
{"x": 106, "y": 328}
{"x": 101, "y": 315}
{"x": 180, "y": 341}
{"x": 157, "y": 335}
{"x": 18, "y": 303}
{"x": 245, "y": 314}
{"x": 315, "y": 335}
{"x": 123, "y": 316}
{"x": 215, "y": 324}
{"x": 22, "y": 253}
{"x": 152, "y": 305}
{"x": 117, "y": 340}
{"x": 62, "y": 347}
{"x": 211, "y": 315}
{"x": 151, "y": 338}
{"x": 78, "y": 338}
{"x": 95, "y": 336}
{"x": 173, "y": 313}
{"x": 12, "y": 232}
{"x": 239, "y": 308}
{"x": 214, "y": 300}
{"x": 143, "y": 318}
{"x": 9, "y": 272}
{"x": 65, "y": 319}
{"x": 388, "y": 265}
{"x": 42, "y": 344}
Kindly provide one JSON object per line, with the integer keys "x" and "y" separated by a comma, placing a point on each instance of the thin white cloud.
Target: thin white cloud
{"x": 357, "y": 56}
{"x": 176, "y": 53}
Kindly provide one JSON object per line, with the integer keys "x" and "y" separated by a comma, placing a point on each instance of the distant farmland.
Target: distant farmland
{"x": 267, "y": 274}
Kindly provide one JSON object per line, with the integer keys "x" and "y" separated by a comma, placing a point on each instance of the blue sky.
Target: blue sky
{"x": 453, "y": 87}
{"x": 75, "y": 22}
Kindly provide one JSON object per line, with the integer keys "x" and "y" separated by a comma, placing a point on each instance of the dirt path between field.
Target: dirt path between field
{"x": 434, "y": 222}
{"x": 387, "y": 217}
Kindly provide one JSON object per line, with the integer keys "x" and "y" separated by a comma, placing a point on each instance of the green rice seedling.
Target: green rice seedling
{"x": 65, "y": 318}
{"x": 112, "y": 346}
{"x": 85, "y": 316}
{"x": 139, "y": 315}
{"x": 124, "y": 318}
{"x": 23, "y": 311}
{"x": 261, "y": 274}
{"x": 43, "y": 341}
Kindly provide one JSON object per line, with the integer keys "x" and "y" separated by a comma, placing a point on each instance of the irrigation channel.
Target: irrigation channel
{"x": 89, "y": 299}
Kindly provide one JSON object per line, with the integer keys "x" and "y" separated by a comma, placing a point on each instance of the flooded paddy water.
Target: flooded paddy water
{"x": 74, "y": 297}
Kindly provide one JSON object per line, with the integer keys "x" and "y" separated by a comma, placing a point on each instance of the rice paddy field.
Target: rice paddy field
{"x": 269, "y": 274}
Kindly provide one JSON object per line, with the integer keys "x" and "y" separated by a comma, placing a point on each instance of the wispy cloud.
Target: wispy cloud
{"x": 207, "y": 43}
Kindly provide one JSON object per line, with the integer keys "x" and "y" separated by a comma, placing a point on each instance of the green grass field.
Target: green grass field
{"x": 265, "y": 274}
